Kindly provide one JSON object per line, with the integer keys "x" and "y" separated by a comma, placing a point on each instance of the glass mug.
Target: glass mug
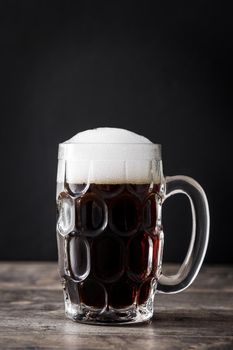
{"x": 109, "y": 229}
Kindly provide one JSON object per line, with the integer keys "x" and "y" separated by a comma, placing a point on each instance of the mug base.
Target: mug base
{"x": 131, "y": 315}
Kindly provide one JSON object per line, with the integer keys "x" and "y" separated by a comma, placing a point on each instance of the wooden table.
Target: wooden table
{"x": 32, "y": 314}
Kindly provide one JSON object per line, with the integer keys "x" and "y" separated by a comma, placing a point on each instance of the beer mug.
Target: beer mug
{"x": 110, "y": 192}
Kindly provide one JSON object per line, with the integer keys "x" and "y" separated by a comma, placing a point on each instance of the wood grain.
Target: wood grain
{"x": 32, "y": 314}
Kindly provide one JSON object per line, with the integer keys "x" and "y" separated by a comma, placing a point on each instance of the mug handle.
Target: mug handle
{"x": 199, "y": 238}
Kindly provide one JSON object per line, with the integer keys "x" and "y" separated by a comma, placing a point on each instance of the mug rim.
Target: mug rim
{"x": 112, "y": 143}
{"x": 105, "y": 151}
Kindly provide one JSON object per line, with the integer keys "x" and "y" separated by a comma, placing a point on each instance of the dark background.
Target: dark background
{"x": 164, "y": 71}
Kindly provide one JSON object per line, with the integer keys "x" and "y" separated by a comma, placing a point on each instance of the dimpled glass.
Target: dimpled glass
{"x": 109, "y": 243}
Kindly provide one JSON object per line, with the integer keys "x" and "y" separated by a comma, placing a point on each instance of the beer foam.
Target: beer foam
{"x": 108, "y": 156}
{"x": 107, "y": 135}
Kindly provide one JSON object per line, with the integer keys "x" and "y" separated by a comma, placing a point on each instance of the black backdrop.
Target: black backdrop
{"x": 164, "y": 71}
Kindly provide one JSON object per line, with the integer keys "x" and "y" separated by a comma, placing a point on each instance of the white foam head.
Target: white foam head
{"x": 107, "y": 135}
{"x": 108, "y": 156}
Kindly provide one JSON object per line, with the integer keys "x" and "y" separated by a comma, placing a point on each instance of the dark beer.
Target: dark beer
{"x": 110, "y": 258}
